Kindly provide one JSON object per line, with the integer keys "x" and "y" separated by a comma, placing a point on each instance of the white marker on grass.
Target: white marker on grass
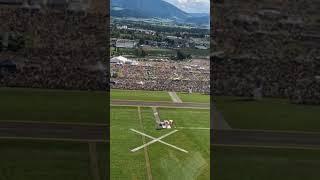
{"x": 156, "y": 140}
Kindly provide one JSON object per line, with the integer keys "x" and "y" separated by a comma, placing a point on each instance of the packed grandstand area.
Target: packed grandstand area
{"x": 193, "y": 76}
{"x": 268, "y": 50}
{"x": 271, "y": 46}
{"x": 67, "y": 54}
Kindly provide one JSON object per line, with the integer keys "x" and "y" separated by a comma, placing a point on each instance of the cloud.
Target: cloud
{"x": 192, "y": 5}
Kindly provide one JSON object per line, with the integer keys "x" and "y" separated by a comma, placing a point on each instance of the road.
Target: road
{"x": 53, "y": 131}
{"x": 265, "y": 138}
{"x": 160, "y": 104}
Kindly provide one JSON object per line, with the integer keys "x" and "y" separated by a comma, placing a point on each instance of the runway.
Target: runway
{"x": 265, "y": 138}
{"x": 76, "y": 132}
{"x": 53, "y": 131}
{"x": 160, "y": 104}
{"x": 100, "y": 133}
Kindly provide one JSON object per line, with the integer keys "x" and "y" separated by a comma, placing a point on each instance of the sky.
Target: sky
{"x": 192, "y": 6}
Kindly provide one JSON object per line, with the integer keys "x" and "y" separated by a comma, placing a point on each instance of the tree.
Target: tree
{"x": 170, "y": 41}
{"x": 141, "y": 41}
{"x": 140, "y": 52}
{"x": 181, "y": 56}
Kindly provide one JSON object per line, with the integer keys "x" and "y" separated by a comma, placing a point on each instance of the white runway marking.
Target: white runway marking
{"x": 156, "y": 115}
{"x": 175, "y": 98}
{"x": 156, "y": 140}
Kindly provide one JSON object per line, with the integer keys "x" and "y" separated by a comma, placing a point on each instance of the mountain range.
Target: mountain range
{"x": 155, "y": 9}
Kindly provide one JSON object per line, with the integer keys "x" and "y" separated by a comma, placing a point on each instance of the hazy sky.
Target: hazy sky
{"x": 192, "y": 6}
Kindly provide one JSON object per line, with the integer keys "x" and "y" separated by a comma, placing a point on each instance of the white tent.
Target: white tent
{"x": 123, "y": 60}
{"x": 119, "y": 59}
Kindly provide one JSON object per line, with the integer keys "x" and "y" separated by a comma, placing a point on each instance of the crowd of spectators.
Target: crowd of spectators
{"x": 298, "y": 81}
{"x": 61, "y": 50}
{"x": 168, "y": 76}
{"x": 271, "y": 47}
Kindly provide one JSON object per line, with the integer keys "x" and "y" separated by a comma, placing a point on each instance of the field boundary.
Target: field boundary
{"x": 185, "y": 102}
{"x": 94, "y": 161}
{"x": 274, "y": 131}
{"x": 219, "y": 121}
{"x": 54, "y": 122}
{"x": 136, "y": 100}
{"x": 175, "y": 107}
{"x": 50, "y": 90}
{"x": 194, "y": 128}
{"x": 146, "y": 155}
{"x": 268, "y": 146}
{"x": 54, "y": 139}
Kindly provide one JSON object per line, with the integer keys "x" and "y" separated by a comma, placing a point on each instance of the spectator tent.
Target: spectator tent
{"x": 122, "y": 60}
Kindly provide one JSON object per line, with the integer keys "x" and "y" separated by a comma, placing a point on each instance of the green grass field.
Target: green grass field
{"x": 157, "y": 96}
{"x": 194, "y": 97}
{"x": 231, "y": 163}
{"x": 196, "y": 52}
{"x": 140, "y": 95}
{"x": 38, "y": 160}
{"x": 53, "y": 160}
{"x": 53, "y": 105}
{"x": 271, "y": 114}
{"x": 160, "y": 52}
{"x": 165, "y": 162}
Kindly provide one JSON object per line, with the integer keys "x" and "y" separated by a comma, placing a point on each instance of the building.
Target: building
{"x": 122, "y": 27}
{"x": 125, "y": 43}
{"x": 201, "y": 47}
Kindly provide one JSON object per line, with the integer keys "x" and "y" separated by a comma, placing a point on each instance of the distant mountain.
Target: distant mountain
{"x": 199, "y": 14}
{"x": 154, "y": 8}
{"x": 199, "y": 19}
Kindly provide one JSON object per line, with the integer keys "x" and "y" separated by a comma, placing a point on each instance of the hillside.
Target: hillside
{"x": 155, "y": 9}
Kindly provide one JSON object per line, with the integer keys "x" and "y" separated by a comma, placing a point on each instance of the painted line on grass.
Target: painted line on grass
{"x": 269, "y": 146}
{"x": 135, "y": 100}
{"x": 276, "y": 131}
{"x": 151, "y": 142}
{"x": 157, "y": 140}
{"x": 146, "y": 155}
{"x": 219, "y": 121}
{"x": 53, "y": 122}
{"x": 194, "y": 128}
{"x": 175, "y": 107}
{"x": 94, "y": 160}
{"x": 54, "y": 139}
{"x": 152, "y": 101}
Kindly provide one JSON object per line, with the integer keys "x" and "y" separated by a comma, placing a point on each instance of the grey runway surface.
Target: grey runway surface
{"x": 100, "y": 133}
{"x": 265, "y": 138}
{"x": 53, "y": 131}
{"x": 160, "y": 104}
{"x": 76, "y": 132}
